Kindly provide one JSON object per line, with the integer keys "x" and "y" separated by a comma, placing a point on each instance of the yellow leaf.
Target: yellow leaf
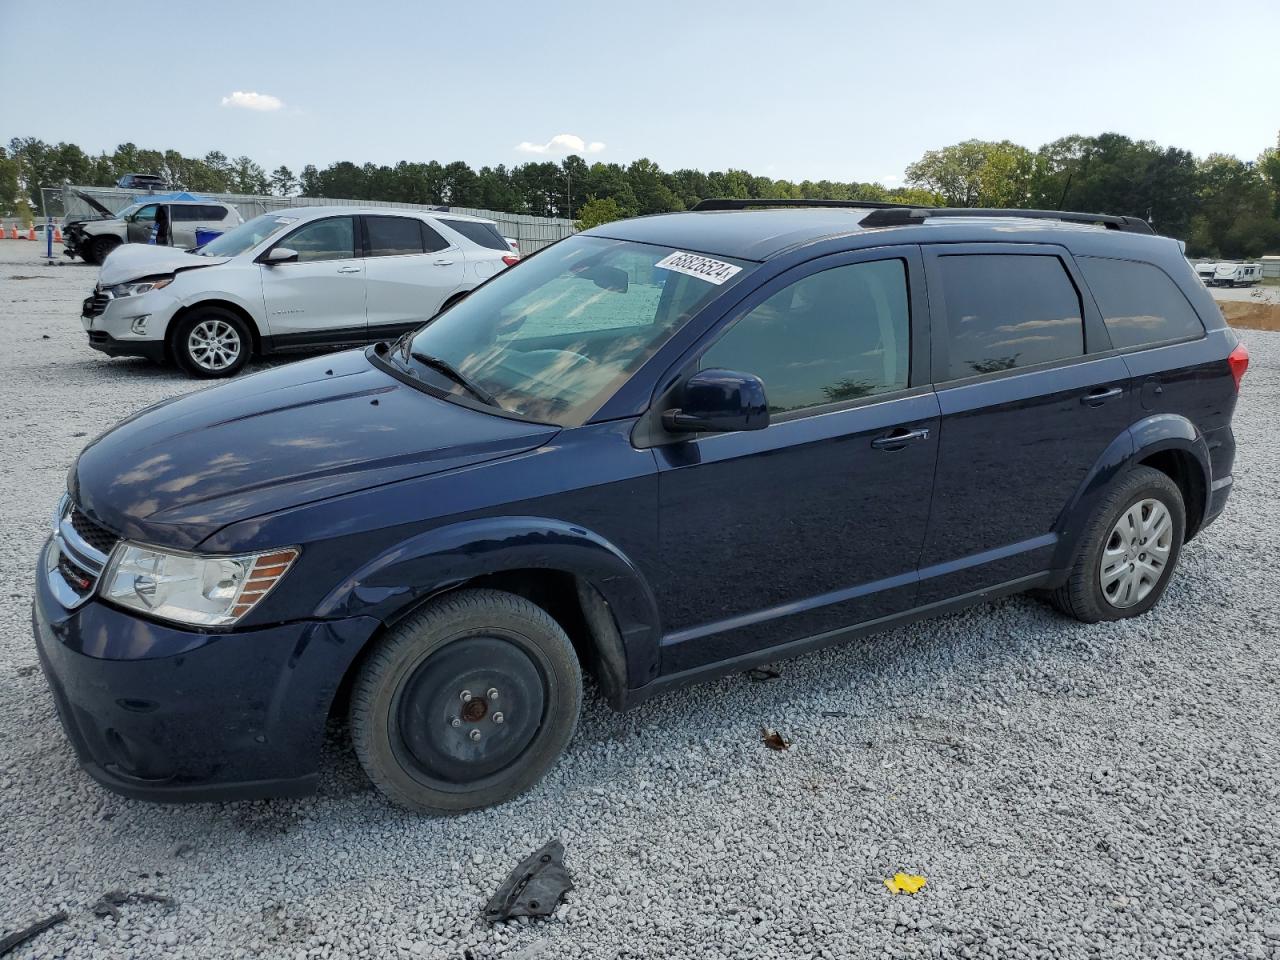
{"x": 905, "y": 883}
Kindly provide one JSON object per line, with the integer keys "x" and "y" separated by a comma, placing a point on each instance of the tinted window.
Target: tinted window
{"x": 1008, "y": 311}
{"x": 837, "y": 335}
{"x": 331, "y": 239}
{"x": 1139, "y": 302}
{"x": 485, "y": 234}
{"x": 431, "y": 240}
{"x": 190, "y": 213}
{"x": 214, "y": 213}
{"x": 393, "y": 236}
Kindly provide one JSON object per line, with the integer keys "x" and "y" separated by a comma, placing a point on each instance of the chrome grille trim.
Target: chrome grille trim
{"x": 68, "y": 545}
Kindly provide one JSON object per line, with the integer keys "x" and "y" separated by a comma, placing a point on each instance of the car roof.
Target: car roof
{"x": 333, "y": 210}
{"x": 760, "y": 234}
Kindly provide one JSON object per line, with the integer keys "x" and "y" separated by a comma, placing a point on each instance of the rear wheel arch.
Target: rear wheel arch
{"x": 1182, "y": 467}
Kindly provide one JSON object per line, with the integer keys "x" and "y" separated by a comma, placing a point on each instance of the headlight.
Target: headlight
{"x": 139, "y": 286}
{"x": 188, "y": 588}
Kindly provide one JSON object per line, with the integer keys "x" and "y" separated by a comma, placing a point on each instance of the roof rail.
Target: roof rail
{"x": 902, "y": 217}
{"x": 733, "y": 203}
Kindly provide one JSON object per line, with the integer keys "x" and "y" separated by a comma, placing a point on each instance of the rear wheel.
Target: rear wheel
{"x": 1128, "y": 551}
{"x": 466, "y": 703}
{"x": 211, "y": 342}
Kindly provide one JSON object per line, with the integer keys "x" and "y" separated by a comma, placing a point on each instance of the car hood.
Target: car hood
{"x": 179, "y": 471}
{"x": 130, "y": 261}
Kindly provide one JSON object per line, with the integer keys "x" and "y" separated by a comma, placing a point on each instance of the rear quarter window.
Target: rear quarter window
{"x": 1139, "y": 302}
{"x": 484, "y": 234}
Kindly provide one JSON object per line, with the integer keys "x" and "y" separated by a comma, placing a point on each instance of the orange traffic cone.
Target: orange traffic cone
{"x": 31, "y": 234}
{"x": 57, "y": 234}
{"x": 13, "y": 232}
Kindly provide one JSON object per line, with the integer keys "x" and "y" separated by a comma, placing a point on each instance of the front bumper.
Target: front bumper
{"x": 109, "y": 322}
{"x": 157, "y": 712}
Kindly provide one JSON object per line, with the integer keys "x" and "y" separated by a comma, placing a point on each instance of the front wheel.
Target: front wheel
{"x": 1128, "y": 551}
{"x": 98, "y": 249}
{"x": 466, "y": 703}
{"x": 211, "y": 342}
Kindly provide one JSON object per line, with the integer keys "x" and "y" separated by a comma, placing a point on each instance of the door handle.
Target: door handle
{"x": 898, "y": 438}
{"x": 442, "y": 262}
{"x": 348, "y": 269}
{"x": 1100, "y": 395}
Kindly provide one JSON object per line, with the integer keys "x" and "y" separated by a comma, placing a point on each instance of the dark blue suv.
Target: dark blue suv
{"x": 657, "y": 451}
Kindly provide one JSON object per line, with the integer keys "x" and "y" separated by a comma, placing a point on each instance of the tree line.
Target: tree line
{"x": 1221, "y": 205}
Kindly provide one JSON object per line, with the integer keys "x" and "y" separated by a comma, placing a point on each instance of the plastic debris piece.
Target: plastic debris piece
{"x": 109, "y": 902}
{"x": 905, "y": 883}
{"x": 16, "y": 939}
{"x": 761, "y": 674}
{"x": 773, "y": 739}
{"x": 534, "y": 888}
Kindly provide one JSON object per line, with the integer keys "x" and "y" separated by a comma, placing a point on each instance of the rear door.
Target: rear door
{"x": 319, "y": 299}
{"x": 410, "y": 270}
{"x": 816, "y": 522}
{"x": 1031, "y": 395}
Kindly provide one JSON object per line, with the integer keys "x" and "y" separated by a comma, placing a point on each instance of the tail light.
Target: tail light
{"x": 1238, "y": 361}
{"x": 511, "y": 259}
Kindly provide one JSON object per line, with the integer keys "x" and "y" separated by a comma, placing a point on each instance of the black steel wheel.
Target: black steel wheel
{"x": 466, "y": 703}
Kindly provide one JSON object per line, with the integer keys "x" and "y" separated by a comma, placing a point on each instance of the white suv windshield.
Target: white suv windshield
{"x": 247, "y": 235}
{"x": 554, "y": 337}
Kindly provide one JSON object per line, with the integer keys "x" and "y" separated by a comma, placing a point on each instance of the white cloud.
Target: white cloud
{"x": 561, "y": 143}
{"x": 253, "y": 101}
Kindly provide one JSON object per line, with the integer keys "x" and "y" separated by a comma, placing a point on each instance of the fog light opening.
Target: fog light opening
{"x": 139, "y": 326}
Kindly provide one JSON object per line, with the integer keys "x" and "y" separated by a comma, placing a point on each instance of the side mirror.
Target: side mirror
{"x": 278, "y": 255}
{"x": 720, "y": 401}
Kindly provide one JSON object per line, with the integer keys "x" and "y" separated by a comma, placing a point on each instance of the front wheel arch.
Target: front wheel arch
{"x": 229, "y": 305}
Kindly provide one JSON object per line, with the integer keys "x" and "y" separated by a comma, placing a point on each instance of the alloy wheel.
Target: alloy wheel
{"x": 214, "y": 345}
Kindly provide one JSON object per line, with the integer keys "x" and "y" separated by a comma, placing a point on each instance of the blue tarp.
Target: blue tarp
{"x": 169, "y": 198}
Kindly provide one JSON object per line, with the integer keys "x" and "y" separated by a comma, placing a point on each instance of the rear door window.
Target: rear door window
{"x": 484, "y": 234}
{"x": 394, "y": 236}
{"x": 1006, "y": 311}
{"x": 1139, "y": 302}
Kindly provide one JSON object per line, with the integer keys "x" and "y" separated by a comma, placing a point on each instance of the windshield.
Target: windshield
{"x": 124, "y": 213}
{"x": 245, "y": 236}
{"x": 553, "y": 338}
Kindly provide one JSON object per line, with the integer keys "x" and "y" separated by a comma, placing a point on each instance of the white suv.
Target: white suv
{"x": 301, "y": 279}
{"x": 137, "y": 223}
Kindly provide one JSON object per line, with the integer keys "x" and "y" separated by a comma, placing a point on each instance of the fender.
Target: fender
{"x": 1164, "y": 431}
{"x": 447, "y": 556}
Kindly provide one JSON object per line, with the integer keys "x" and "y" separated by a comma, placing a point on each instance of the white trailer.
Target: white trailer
{"x": 1236, "y": 275}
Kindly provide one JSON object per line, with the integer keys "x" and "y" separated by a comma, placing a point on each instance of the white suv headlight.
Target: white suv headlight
{"x": 139, "y": 287}
{"x": 209, "y": 591}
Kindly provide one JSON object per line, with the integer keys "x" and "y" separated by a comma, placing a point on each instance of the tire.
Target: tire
{"x": 98, "y": 249}
{"x": 1103, "y": 552}
{"x": 429, "y": 750}
{"x": 211, "y": 342}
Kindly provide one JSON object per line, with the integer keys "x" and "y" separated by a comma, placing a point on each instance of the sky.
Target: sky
{"x": 801, "y": 90}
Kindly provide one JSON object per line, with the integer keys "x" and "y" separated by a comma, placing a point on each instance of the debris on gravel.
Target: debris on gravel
{"x": 1070, "y": 791}
{"x": 534, "y": 888}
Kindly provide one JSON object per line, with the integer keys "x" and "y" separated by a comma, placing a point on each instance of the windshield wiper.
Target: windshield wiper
{"x": 445, "y": 367}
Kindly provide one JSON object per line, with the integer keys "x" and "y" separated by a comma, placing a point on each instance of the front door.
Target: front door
{"x": 1031, "y": 397}
{"x": 138, "y": 229}
{"x": 410, "y": 271}
{"x": 318, "y": 300}
{"x": 816, "y": 522}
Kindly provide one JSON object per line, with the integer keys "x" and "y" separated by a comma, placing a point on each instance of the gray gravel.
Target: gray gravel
{"x": 1068, "y": 791}
{"x": 1267, "y": 293}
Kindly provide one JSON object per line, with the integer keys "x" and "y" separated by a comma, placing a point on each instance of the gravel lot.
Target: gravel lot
{"x": 1069, "y": 791}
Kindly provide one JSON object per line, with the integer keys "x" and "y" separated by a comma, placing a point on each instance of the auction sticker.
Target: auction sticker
{"x": 695, "y": 265}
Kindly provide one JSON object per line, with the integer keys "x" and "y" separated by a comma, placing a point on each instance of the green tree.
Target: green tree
{"x": 976, "y": 173}
{"x": 10, "y": 190}
{"x": 283, "y": 182}
{"x": 599, "y": 210}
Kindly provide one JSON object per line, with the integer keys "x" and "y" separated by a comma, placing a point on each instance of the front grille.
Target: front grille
{"x": 77, "y": 578}
{"x": 98, "y": 537}
{"x": 96, "y": 304}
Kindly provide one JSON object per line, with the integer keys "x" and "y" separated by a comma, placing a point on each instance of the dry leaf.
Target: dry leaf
{"x": 773, "y": 739}
{"x": 905, "y": 883}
